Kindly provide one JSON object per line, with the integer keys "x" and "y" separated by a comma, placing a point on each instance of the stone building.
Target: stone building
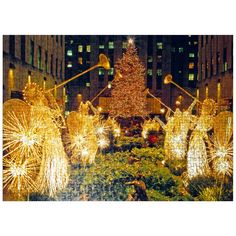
{"x": 158, "y": 54}
{"x": 215, "y": 66}
{"x": 39, "y": 58}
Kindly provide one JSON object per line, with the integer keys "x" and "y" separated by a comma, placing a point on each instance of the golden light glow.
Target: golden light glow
{"x": 162, "y": 110}
{"x": 21, "y": 135}
{"x": 103, "y": 143}
{"x": 168, "y": 79}
{"x": 150, "y": 125}
{"x": 130, "y": 41}
{"x": 197, "y": 158}
{"x": 19, "y": 174}
{"x": 223, "y": 166}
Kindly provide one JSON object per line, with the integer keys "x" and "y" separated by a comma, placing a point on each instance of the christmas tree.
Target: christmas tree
{"x": 127, "y": 96}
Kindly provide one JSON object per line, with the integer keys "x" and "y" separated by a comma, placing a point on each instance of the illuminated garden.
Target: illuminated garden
{"x": 126, "y": 156}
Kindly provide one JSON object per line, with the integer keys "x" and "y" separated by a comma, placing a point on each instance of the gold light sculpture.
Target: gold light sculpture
{"x": 176, "y": 130}
{"x": 103, "y": 62}
{"x": 32, "y": 136}
{"x": 222, "y": 151}
{"x": 113, "y": 126}
{"x": 149, "y": 125}
{"x": 197, "y": 159}
{"x": 169, "y": 79}
{"x": 19, "y": 174}
{"x": 82, "y": 134}
{"x": 53, "y": 175}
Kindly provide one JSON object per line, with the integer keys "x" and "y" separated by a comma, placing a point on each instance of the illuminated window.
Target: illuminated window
{"x": 159, "y": 72}
{"x": 191, "y": 77}
{"x": 181, "y": 50}
{"x": 88, "y": 48}
{"x": 111, "y": 71}
{"x": 149, "y": 71}
{"x": 69, "y": 53}
{"x": 191, "y": 65}
{"x": 159, "y": 58}
{"x": 124, "y": 45}
{"x": 191, "y": 55}
{"x": 180, "y": 71}
{"x": 111, "y": 45}
{"x": 87, "y": 84}
{"x": 159, "y": 45}
{"x": 189, "y": 43}
{"x": 206, "y": 91}
{"x": 80, "y": 60}
{"x": 80, "y": 48}
{"x": 101, "y": 71}
{"x": 149, "y": 59}
{"x": 101, "y": 46}
{"x": 69, "y": 65}
{"x": 195, "y": 42}
{"x": 225, "y": 66}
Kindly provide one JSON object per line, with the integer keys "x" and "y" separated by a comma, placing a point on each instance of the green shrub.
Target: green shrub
{"x": 40, "y": 197}
{"x": 197, "y": 184}
{"x": 153, "y": 153}
{"x": 177, "y": 167}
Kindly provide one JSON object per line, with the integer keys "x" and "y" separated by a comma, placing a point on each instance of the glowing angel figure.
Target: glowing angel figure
{"x": 183, "y": 122}
{"x": 149, "y": 125}
{"x": 19, "y": 174}
{"x": 222, "y": 150}
{"x": 82, "y": 134}
{"x": 197, "y": 160}
{"x": 170, "y": 137}
{"x": 53, "y": 175}
{"x": 113, "y": 126}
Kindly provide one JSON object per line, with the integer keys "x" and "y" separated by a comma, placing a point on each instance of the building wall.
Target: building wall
{"x": 216, "y": 67}
{"x": 17, "y": 63}
{"x": 153, "y": 50}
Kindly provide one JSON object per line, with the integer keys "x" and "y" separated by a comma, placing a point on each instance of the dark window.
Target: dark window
{"x": 61, "y": 71}
{"x": 39, "y": 58}
{"x": 206, "y": 68}
{"x": 31, "y": 52}
{"x": 159, "y": 82}
{"x": 56, "y": 67}
{"x": 46, "y": 62}
{"x": 61, "y": 40}
{"x": 149, "y": 81}
{"x": 22, "y": 47}
{"x": 51, "y": 69}
{"x": 12, "y": 45}
{"x": 202, "y": 41}
{"x": 217, "y": 62}
{"x": 57, "y": 38}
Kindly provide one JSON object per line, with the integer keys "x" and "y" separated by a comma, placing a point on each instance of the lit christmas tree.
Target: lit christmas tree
{"x": 127, "y": 96}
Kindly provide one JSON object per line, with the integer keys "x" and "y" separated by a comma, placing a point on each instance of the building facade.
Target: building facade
{"x": 158, "y": 54}
{"x": 215, "y": 66}
{"x": 39, "y": 58}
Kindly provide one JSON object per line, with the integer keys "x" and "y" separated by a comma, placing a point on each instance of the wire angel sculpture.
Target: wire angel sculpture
{"x": 27, "y": 136}
{"x": 197, "y": 158}
{"x": 176, "y": 130}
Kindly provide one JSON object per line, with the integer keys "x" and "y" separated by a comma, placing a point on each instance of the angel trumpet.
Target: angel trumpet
{"x": 103, "y": 62}
{"x": 168, "y": 79}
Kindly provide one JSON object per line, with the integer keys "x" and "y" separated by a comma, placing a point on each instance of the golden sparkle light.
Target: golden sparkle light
{"x": 197, "y": 158}
{"x": 19, "y": 174}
